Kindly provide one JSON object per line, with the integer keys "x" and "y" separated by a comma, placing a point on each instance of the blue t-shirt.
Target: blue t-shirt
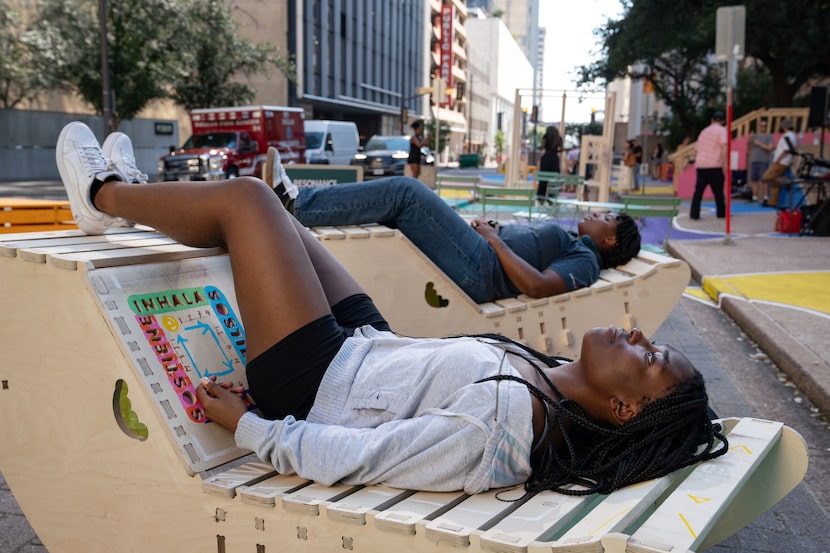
{"x": 547, "y": 246}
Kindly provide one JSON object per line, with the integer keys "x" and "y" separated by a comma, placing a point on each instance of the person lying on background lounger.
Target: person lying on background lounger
{"x": 344, "y": 399}
{"x": 489, "y": 263}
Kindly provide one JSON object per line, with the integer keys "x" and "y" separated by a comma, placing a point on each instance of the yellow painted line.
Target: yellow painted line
{"x": 698, "y": 293}
{"x": 809, "y": 290}
{"x": 715, "y": 286}
{"x": 688, "y": 526}
{"x": 609, "y": 521}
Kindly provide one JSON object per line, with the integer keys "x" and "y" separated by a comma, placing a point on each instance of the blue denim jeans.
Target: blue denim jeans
{"x": 419, "y": 213}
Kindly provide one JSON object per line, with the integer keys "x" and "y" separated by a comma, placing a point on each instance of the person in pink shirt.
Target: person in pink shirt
{"x": 710, "y": 160}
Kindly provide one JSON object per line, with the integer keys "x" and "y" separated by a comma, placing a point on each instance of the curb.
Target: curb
{"x": 789, "y": 354}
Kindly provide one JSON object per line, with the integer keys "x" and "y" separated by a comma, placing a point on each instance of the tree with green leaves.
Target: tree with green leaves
{"x": 790, "y": 40}
{"x": 672, "y": 44}
{"x": 578, "y": 130}
{"x": 205, "y": 76}
{"x": 187, "y": 50}
{"x": 499, "y": 143}
{"x": 142, "y": 38}
{"x": 24, "y": 66}
{"x": 668, "y": 44}
{"x": 442, "y": 132}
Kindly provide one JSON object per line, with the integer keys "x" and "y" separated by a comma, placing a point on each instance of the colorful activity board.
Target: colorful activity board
{"x": 178, "y": 322}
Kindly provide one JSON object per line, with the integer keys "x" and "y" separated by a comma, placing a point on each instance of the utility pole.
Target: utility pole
{"x": 403, "y": 66}
{"x": 439, "y": 88}
{"x": 106, "y": 100}
{"x": 470, "y": 115}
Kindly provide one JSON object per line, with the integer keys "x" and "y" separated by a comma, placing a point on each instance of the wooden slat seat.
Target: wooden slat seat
{"x": 516, "y": 200}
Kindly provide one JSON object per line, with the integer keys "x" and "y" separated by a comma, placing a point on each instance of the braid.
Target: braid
{"x": 628, "y": 243}
{"x": 665, "y": 436}
{"x": 546, "y": 359}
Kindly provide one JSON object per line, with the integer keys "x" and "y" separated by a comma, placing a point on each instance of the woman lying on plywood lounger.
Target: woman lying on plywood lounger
{"x": 346, "y": 400}
{"x": 539, "y": 260}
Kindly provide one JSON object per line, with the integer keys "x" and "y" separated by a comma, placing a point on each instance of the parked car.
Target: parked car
{"x": 383, "y": 156}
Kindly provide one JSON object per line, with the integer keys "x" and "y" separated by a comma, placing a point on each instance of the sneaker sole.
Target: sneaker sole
{"x": 268, "y": 167}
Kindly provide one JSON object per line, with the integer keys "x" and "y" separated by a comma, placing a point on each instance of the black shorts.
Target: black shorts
{"x": 284, "y": 379}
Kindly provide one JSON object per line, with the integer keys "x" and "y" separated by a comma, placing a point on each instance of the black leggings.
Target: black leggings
{"x": 284, "y": 379}
{"x": 548, "y": 162}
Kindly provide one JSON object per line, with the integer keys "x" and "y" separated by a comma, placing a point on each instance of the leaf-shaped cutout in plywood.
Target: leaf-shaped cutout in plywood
{"x": 126, "y": 418}
{"x": 434, "y": 299}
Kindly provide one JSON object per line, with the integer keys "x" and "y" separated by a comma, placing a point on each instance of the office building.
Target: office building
{"x": 508, "y": 68}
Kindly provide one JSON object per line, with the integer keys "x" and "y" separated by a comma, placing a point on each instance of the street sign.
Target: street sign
{"x": 305, "y": 176}
{"x": 730, "y": 35}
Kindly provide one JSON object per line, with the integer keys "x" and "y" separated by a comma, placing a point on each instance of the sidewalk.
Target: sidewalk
{"x": 775, "y": 286}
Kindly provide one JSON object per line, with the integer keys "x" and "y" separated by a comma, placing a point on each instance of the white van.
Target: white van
{"x": 330, "y": 142}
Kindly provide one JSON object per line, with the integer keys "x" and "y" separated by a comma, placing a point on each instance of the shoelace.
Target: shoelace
{"x": 290, "y": 187}
{"x": 94, "y": 160}
{"x": 132, "y": 171}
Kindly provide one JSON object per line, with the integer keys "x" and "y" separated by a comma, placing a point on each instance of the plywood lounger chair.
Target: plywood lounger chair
{"x": 102, "y": 340}
{"x": 419, "y": 300}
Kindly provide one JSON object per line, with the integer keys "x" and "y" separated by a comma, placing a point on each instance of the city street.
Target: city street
{"x": 741, "y": 381}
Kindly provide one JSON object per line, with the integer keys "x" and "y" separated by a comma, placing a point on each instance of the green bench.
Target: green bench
{"x": 579, "y": 209}
{"x": 643, "y": 207}
{"x": 548, "y": 202}
{"x": 638, "y": 207}
{"x": 572, "y": 182}
{"x": 518, "y": 200}
{"x": 458, "y": 191}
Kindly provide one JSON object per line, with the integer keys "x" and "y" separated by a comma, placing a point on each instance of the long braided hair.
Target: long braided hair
{"x": 670, "y": 433}
{"x": 628, "y": 243}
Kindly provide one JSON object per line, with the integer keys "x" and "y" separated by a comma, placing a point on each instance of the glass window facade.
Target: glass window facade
{"x": 359, "y": 56}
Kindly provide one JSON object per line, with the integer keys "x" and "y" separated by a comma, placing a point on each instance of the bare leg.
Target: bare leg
{"x": 275, "y": 278}
{"x": 338, "y": 283}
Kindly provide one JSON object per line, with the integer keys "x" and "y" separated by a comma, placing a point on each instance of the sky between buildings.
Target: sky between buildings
{"x": 570, "y": 42}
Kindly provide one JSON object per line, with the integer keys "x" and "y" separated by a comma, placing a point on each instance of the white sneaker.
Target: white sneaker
{"x": 274, "y": 173}
{"x": 118, "y": 148}
{"x": 80, "y": 161}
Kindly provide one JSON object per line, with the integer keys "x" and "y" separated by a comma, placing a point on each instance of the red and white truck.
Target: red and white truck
{"x": 233, "y": 141}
